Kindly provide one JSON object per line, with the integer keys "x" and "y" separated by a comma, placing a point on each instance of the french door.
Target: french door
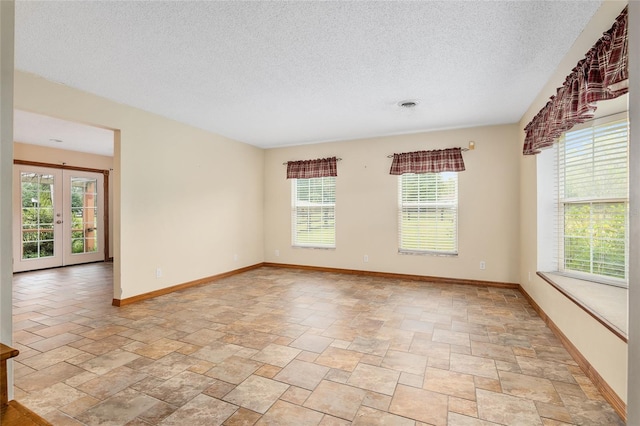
{"x": 58, "y": 217}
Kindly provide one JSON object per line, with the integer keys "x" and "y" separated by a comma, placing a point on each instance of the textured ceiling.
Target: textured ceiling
{"x": 286, "y": 73}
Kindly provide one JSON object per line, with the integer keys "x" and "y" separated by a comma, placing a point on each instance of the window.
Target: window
{"x": 313, "y": 212}
{"x": 428, "y": 213}
{"x": 592, "y": 203}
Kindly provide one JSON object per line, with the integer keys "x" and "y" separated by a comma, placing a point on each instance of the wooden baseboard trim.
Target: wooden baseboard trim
{"x": 167, "y": 290}
{"x": 607, "y": 392}
{"x": 437, "y": 280}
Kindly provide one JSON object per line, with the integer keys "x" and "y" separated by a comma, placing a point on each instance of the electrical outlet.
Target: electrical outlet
{"x": 235, "y": 257}
{"x": 366, "y": 258}
{"x": 483, "y": 265}
{"x": 277, "y": 253}
{"x": 158, "y": 272}
{"x": 529, "y": 276}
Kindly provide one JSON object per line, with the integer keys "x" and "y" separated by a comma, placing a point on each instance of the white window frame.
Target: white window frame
{"x": 325, "y": 236}
{"x": 564, "y": 201}
{"x": 436, "y": 242}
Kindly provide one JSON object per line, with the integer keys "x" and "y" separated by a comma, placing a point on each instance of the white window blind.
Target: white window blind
{"x": 593, "y": 188}
{"x": 313, "y": 212}
{"x": 428, "y": 212}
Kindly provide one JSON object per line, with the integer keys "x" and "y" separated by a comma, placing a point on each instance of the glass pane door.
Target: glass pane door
{"x": 37, "y": 219}
{"x": 83, "y": 204}
{"x": 58, "y": 218}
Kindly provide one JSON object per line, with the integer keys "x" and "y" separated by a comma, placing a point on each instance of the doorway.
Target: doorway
{"x": 59, "y": 217}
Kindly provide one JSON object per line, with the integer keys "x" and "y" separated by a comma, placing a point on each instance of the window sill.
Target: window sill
{"x": 427, "y": 253}
{"x": 605, "y": 303}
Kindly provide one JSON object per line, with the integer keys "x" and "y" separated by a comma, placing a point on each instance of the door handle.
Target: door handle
{"x": 58, "y": 221}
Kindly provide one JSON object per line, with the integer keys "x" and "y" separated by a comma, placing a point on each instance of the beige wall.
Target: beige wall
{"x": 43, "y": 154}
{"x": 604, "y": 351}
{"x": 185, "y": 200}
{"x": 366, "y": 206}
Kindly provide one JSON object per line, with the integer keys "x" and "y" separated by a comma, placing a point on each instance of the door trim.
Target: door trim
{"x": 105, "y": 189}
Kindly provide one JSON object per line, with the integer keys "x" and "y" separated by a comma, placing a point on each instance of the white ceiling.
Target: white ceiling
{"x": 52, "y": 132}
{"x": 285, "y": 73}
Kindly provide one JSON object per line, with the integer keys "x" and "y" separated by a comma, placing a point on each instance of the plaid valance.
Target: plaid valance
{"x": 439, "y": 160}
{"x": 306, "y": 169}
{"x": 602, "y": 74}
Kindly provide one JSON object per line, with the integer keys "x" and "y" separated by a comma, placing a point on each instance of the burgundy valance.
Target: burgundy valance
{"x": 602, "y": 74}
{"x": 436, "y": 161}
{"x": 306, "y": 169}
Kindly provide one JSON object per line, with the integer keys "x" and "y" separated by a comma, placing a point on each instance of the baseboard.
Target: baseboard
{"x": 167, "y": 290}
{"x": 426, "y": 278}
{"x": 607, "y": 392}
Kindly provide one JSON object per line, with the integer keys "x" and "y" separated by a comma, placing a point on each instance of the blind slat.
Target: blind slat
{"x": 428, "y": 212}
{"x": 313, "y": 220}
{"x": 592, "y": 206}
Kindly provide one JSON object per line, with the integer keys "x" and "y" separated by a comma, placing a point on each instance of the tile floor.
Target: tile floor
{"x": 286, "y": 347}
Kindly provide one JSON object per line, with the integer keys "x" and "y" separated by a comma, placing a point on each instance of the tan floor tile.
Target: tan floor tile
{"x": 367, "y": 416}
{"x": 218, "y": 389}
{"x": 277, "y": 355}
{"x": 111, "y": 383}
{"x": 491, "y": 350}
{"x": 553, "y": 411}
{"x": 420, "y": 404}
{"x": 202, "y": 337}
{"x": 295, "y": 395}
{"x": 302, "y": 374}
{"x": 376, "y": 379}
{"x": 79, "y": 405}
{"x": 109, "y": 361}
{"x": 336, "y": 399}
{"x": 51, "y": 343}
{"x": 311, "y": 343}
{"x": 243, "y": 417}
{"x": 157, "y": 413}
{"x": 181, "y": 388}
{"x": 201, "y": 411}
{"x": 49, "y": 358}
{"x": 339, "y": 358}
{"x": 50, "y": 398}
{"x": 256, "y": 393}
{"x": 217, "y": 352}
{"x": 159, "y": 348}
{"x": 506, "y": 409}
{"x": 487, "y": 384}
{"x": 283, "y": 413}
{"x": 456, "y": 419}
{"x": 533, "y": 388}
{"x": 450, "y": 383}
{"x": 268, "y": 371}
{"x": 234, "y": 370}
{"x": 404, "y": 361}
{"x": 463, "y": 406}
{"x": 377, "y": 401}
{"x": 47, "y": 377}
{"x": 328, "y": 420}
{"x": 102, "y": 346}
{"x": 474, "y": 365}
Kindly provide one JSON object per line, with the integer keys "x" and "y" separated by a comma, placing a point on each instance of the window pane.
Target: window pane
{"x": 428, "y": 212}
{"x": 593, "y": 200}
{"x": 313, "y": 212}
